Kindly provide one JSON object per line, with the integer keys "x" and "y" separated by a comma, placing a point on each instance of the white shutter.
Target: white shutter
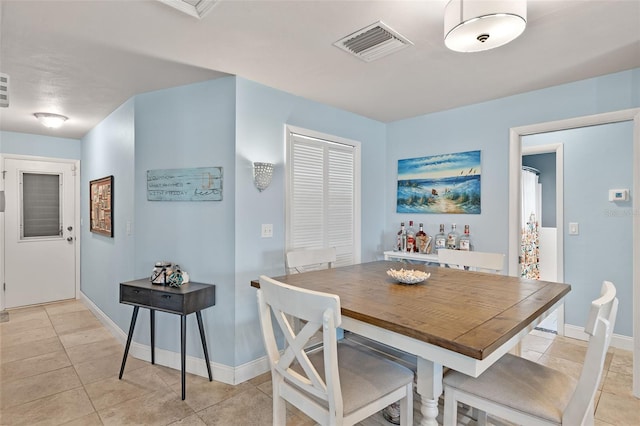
{"x": 322, "y": 196}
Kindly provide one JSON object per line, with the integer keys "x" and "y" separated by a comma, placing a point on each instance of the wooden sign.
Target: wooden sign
{"x": 197, "y": 184}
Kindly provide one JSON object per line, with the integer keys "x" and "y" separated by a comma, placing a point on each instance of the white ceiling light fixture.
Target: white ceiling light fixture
{"x": 53, "y": 121}
{"x": 196, "y": 8}
{"x": 477, "y": 25}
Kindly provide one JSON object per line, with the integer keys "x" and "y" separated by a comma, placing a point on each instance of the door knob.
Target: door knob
{"x": 69, "y": 228}
{"x": 69, "y": 239}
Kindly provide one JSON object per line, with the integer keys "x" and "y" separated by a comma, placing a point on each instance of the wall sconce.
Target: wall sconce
{"x": 262, "y": 174}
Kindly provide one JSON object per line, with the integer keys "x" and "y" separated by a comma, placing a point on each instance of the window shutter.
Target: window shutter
{"x": 321, "y": 196}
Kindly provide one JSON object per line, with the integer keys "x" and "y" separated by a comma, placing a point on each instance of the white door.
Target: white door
{"x": 40, "y": 255}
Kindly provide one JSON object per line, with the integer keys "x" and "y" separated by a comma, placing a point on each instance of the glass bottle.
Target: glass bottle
{"x": 441, "y": 240}
{"x": 402, "y": 238}
{"x": 465, "y": 240}
{"x": 422, "y": 243}
{"x": 452, "y": 238}
{"x": 411, "y": 238}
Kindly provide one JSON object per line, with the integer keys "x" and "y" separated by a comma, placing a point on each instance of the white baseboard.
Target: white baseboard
{"x": 194, "y": 365}
{"x": 617, "y": 340}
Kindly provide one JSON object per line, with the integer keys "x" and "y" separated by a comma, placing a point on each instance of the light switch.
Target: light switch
{"x": 573, "y": 228}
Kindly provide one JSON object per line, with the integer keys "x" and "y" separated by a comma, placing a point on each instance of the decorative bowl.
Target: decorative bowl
{"x": 408, "y": 276}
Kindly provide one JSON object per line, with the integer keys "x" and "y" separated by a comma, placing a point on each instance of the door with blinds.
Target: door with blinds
{"x": 39, "y": 232}
{"x": 323, "y": 194}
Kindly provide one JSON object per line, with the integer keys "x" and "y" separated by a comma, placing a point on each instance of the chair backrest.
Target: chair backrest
{"x": 473, "y": 260}
{"x": 602, "y": 318}
{"x": 319, "y": 311}
{"x": 310, "y": 259}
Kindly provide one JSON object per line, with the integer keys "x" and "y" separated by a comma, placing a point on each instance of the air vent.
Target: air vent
{"x": 4, "y": 90}
{"x": 373, "y": 42}
{"x": 196, "y": 8}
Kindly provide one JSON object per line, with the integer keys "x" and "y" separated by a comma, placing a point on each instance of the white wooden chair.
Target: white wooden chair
{"x": 527, "y": 393}
{"x": 472, "y": 260}
{"x": 310, "y": 259}
{"x": 339, "y": 385}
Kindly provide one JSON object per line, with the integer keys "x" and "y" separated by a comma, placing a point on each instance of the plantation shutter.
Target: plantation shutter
{"x": 321, "y": 209}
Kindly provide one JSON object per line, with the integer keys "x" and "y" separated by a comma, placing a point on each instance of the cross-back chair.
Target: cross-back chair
{"x": 339, "y": 385}
{"x": 527, "y": 393}
{"x": 310, "y": 259}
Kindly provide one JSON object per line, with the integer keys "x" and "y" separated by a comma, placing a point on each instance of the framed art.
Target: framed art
{"x": 101, "y": 206}
{"x": 447, "y": 183}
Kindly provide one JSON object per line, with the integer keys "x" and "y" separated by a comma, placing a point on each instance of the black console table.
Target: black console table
{"x": 188, "y": 298}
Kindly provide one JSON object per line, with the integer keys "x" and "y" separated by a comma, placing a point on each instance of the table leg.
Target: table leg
{"x": 153, "y": 335}
{"x": 126, "y": 348}
{"x": 430, "y": 388}
{"x": 183, "y": 344}
{"x": 204, "y": 343}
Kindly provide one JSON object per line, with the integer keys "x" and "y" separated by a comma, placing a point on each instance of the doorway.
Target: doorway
{"x": 515, "y": 164}
{"x": 548, "y": 162}
{"x": 41, "y": 252}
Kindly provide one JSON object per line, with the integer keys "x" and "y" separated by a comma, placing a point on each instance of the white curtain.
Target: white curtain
{"x": 531, "y": 197}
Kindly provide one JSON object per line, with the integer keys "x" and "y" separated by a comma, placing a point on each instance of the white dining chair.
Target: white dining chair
{"x": 340, "y": 384}
{"x": 472, "y": 260}
{"x": 304, "y": 260}
{"x": 527, "y": 393}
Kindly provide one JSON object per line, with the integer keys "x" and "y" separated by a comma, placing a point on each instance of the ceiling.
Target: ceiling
{"x": 83, "y": 59}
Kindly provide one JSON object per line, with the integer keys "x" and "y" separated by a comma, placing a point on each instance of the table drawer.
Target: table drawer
{"x": 168, "y": 302}
{"x": 140, "y": 296}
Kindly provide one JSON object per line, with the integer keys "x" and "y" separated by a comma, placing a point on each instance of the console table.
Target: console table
{"x": 421, "y": 257}
{"x": 188, "y": 298}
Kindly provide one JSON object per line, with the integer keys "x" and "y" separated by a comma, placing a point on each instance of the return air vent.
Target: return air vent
{"x": 4, "y": 90}
{"x": 373, "y": 42}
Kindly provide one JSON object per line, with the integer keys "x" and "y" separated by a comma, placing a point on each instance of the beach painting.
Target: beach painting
{"x": 447, "y": 183}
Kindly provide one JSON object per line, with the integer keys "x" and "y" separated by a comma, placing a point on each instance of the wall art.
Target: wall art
{"x": 447, "y": 183}
{"x": 196, "y": 184}
{"x": 101, "y": 206}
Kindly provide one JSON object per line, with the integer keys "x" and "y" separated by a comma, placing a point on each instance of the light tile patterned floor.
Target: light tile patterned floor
{"x": 59, "y": 365}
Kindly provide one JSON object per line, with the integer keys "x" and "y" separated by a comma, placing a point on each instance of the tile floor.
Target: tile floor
{"x": 59, "y": 365}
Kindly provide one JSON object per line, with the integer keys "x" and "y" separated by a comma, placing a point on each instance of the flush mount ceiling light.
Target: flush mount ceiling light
{"x": 50, "y": 120}
{"x": 477, "y": 25}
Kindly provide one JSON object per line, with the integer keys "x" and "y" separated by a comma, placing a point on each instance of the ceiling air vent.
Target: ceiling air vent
{"x": 373, "y": 42}
{"x": 4, "y": 90}
{"x": 196, "y": 8}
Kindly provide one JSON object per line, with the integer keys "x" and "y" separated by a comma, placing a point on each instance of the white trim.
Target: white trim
{"x": 515, "y": 162}
{"x": 76, "y": 225}
{"x": 618, "y": 341}
{"x": 194, "y": 365}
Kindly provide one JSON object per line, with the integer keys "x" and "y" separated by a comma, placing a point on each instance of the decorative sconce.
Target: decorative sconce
{"x": 262, "y": 174}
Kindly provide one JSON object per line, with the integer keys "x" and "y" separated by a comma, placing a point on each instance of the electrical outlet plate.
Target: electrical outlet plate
{"x": 267, "y": 230}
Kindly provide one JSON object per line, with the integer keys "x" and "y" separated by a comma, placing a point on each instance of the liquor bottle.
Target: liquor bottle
{"x": 465, "y": 240}
{"x": 402, "y": 238}
{"x": 441, "y": 240}
{"x": 411, "y": 238}
{"x": 422, "y": 241}
{"x": 452, "y": 238}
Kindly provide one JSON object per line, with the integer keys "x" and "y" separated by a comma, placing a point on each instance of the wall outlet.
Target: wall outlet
{"x": 267, "y": 230}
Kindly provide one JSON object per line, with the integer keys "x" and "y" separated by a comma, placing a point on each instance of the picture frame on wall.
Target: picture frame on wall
{"x": 101, "y": 206}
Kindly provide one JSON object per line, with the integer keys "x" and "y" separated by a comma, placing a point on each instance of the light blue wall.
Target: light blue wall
{"x": 596, "y": 159}
{"x": 39, "y": 146}
{"x": 185, "y": 127}
{"x": 546, "y": 165}
{"x": 108, "y": 149}
{"x": 261, "y": 115}
{"x": 486, "y": 126}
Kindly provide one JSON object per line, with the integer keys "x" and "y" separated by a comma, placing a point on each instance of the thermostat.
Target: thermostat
{"x": 618, "y": 194}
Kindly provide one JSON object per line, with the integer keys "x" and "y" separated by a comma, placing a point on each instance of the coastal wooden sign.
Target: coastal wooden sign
{"x": 196, "y": 184}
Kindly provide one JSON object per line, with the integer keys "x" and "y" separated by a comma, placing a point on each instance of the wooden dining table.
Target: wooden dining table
{"x": 458, "y": 319}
